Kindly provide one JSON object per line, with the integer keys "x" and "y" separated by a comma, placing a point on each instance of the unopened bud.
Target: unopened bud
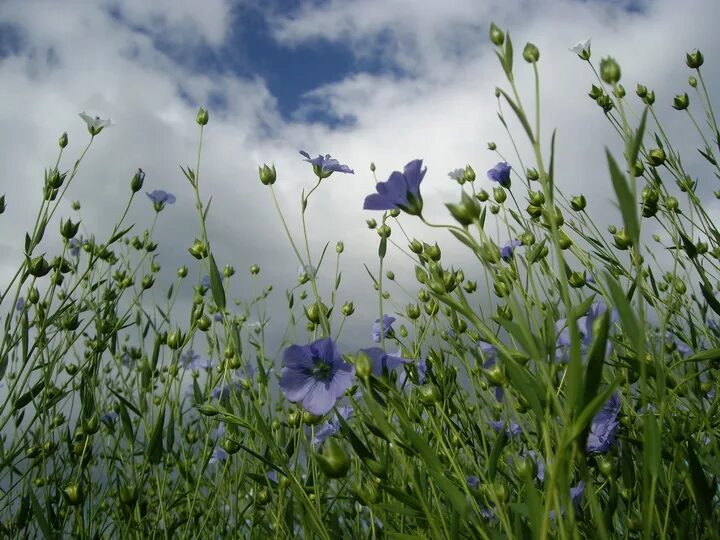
{"x": 63, "y": 140}
{"x": 609, "y": 70}
{"x": 202, "y": 117}
{"x": 694, "y": 59}
{"x": 267, "y": 175}
{"x": 497, "y": 37}
{"x": 531, "y": 53}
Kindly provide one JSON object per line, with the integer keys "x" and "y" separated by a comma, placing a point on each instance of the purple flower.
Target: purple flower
{"x": 109, "y": 418}
{"x": 160, "y": 198}
{"x": 539, "y": 462}
{"x": 381, "y": 361}
{"x": 332, "y": 427}
{"x": 457, "y": 174}
{"x": 585, "y": 327}
{"x": 315, "y": 375}
{"x": 75, "y": 245}
{"x": 576, "y": 493}
{"x": 218, "y": 316}
{"x": 191, "y": 360}
{"x": 507, "y": 250}
{"x": 401, "y": 191}
{"x": 218, "y": 455}
{"x": 205, "y": 282}
{"x": 511, "y": 428}
{"x": 472, "y": 481}
{"x": 500, "y": 173}
{"x": 325, "y": 166}
{"x": 604, "y": 426}
{"x": 20, "y": 305}
{"x": 489, "y": 353}
{"x": 420, "y": 370}
{"x": 387, "y": 326}
{"x": 223, "y": 391}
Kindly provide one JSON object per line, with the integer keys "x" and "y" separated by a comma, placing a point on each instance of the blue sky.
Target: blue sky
{"x": 384, "y": 81}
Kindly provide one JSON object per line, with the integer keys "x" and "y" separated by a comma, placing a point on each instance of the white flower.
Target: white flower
{"x": 95, "y": 125}
{"x": 582, "y": 49}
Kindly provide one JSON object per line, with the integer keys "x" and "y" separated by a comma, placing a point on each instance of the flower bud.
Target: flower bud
{"x": 204, "y": 323}
{"x": 339, "y": 247}
{"x": 394, "y": 212}
{"x": 619, "y": 91}
{"x": 73, "y": 494}
{"x": 532, "y": 174}
{"x": 609, "y": 70}
{"x": 371, "y": 223}
{"x": 650, "y": 98}
{"x": 595, "y": 92}
{"x": 694, "y": 59}
{"x": 334, "y": 461}
{"x": 415, "y": 246}
{"x": 136, "y": 183}
{"x": 641, "y": 91}
{"x": 433, "y": 252}
{"x": 656, "y": 157}
{"x": 431, "y": 307}
{"x": 267, "y": 175}
{"x": 577, "y": 280}
{"x": 499, "y": 194}
{"x": 531, "y": 53}
{"x": 537, "y": 198}
{"x": 534, "y": 211}
{"x": 482, "y": 195}
{"x": 175, "y": 339}
{"x": 38, "y": 267}
{"x": 469, "y": 174}
{"x": 202, "y": 117}
{"x": 229, "y": 445}
{"x": 681, "y": 102}
{"x": 68, "y": 229}
{"x": 638, "y": 169}
{"x": 492, "y": 146}
{"x": 671, "y": 203}
{"x": 578, "y": 203}
{"x": 497, "y": 37}
{"x": 428, "y": 394}
{"x": 254, "y": 270}
{"x": 182, "y": 271}
{"x": 384, "y": 231}
{"x": 622, "y": 240}
{"x": 63, "y": 140}
{"x": 692, "y": 81}
{"x": 347, "y": 309}
{"x": 199, "y": 249}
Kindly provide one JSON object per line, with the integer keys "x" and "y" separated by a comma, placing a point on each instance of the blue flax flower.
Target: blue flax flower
{"x": 217, "y": 456}
{"x": 224, "y": 390}
{"x": 401, "y": 191}
{"x": 315, "y": 375}
{"x": 387, "y": 326}
{"x": 75, "y": 245}
{"x": 512, "y": 429}
{"x": 500, "y": 173}
{"x": 507, "y": 250}
{"x": 604, "y": 426}
{"x": 160, "y": 198}
{"x": 585, "y": 327}
{"x": 324, "y": 166}
{"x": 457, "y": 174}
{"x": 381, "y": 361}
{"x": 472, "y": 481}
{"x": 332, "y": 427}
{"x": 20, "y": 305}
{"x": 191, "y": 360}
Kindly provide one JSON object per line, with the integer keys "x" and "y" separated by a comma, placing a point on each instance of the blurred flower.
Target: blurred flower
{"x": 325, "y": 166}
{"x": 576, "y": 493}
{"x": 332, "y": 427}
{"x": 507, "y": 250}
{"x": 205, "y": 282}
{"x": 191, "y": 360}
{"x": 95, "y": 125}
{"x": 20, "y": 305}
{"x": 308, "y": 270}
{"x": 401, "y": 191}
{"x": 604, "y": 426}
{"x": 682, "y": 347}
{"x": 585, "y": 327}
{"x": 75, "y": 245}
{"x": 223, "y": 390}
{"x": 387, "y": 326}
{"x": 315, "y": 375}
{"x": 381, "y": 361}
{"x": 109, "y": 418}
{"x": 582, "y": 49}
{"x": 511, "y": 428}
{"x": 457, "y": 174}
{"x": 539, "y": 462}
{"x": 473, "y": 481}
{"x": 218, "y": 455}
{"x": 500, "y": 173}
{"x": 160, "y": 198}
{"x": 489, "y": 353}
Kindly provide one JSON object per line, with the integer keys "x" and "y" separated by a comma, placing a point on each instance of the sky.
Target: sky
{"x": 383, "y": 81}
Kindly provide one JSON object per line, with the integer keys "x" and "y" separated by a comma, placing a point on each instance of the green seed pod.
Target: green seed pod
{"x": 413, "y": 311}
{"x": 416, "y": 246}
{"x": 681, "y": 102}
{"x": 63, "y": 140}
{"x": 230, "y": 445}
{"x": 578, "y": 203}
{"x": 73, "y": 494}
{"x": 497, "y": 37}
{"x": 428, "y": 394}
{"x": 619, "y": 91}
{"x": 347, "y": 309}
{"x": 609, "y": 70}
{"x": 692, "y": 81}
{"x": 268, "y": 175}
{"x": 694, "y": 59}
{"x": 534, "y": 211}
{"x": 334, "y": 461}
{"x": 492, "y": 146}
{"x": 531, "y": 53}
{"x": 204, "y": 323}
{"x": 202, "y": 117}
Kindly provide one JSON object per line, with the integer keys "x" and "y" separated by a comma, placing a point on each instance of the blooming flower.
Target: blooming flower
{"x": 223, "y": 391}
{"x": 401, "y": 191}
{"x": 585, "y": 327}
{"x": 205, "y": 282}
{"x": 324, "y": 166}
{"x": 381, "y": 361}
{"x": 95, "y": 125}
{"x": 420, "y": 370}
{"x": 160, "y": 198}
{"x": 511, "y": 428}
{"x": 604, "y": 426}
{"x": 315, "y": 375}
{"x": 75, "y": 245}
{"x": 332, "y": 427}
{"x": 507, "y": 250}
{"x": 20, "y": 305}
{"x": 387, "y": 326}
{"x": 457, "y": 174}
{"x": 218, "y": 455}
{"x": 489, "y": 353}
{"x": 191, "y": 360}
{"x": 109, "y": 418}
{"x": 582, "y": 49}
{"x": 576, "y": 493}
{"x": 472, "y": 481}
{"x": 500, "y": 173}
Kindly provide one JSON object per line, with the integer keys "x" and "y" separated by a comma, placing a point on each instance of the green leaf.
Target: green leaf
{"x": 636, "y": 142}
{"x": 596, "y": 358}
{"x": 154, "y": 449}
{"x": 383, "y": 247}
{"x": 495, "y": 454}
{"x": 520, "y": 115}
{"x": 707, "y": 293}
{"x": 651, "y": 444}
{"x": 39, "y": 514}
{"x": 627, "y": 316}
{"x": 118, "y": 235}
{"x": 216, "y": 286}
{"x": 701, "y": 488}
{"x": 625, "y": 199}
{"x": 551, "y": 168}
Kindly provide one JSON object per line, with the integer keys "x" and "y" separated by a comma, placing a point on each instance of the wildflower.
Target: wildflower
{"x": 473, "y": 481}
{"x": 678, "y": 344}
{"x": 401, "y": 191}
{"x": 420, "y": 370}
{"x": 507, "y": 250}
{"x": 20, "y": 305}
{"x": 576, "y": 493}
{"x": 539, "y": 462}
{"x": 458, "y": 174}
{"x": 511, "y": 428}
{"x": 489, "y": 352}
{"x": 109, "y": 418}
{"x": 500, "y": 173}
{"x": 325, "y": 166}
{"x": 381, "y": 361}
{"x": 218, "y": 455}
{"x": 307, "y": 270}
{"x": 205, "y": 282}
{"x": 160, "y": 198}
{"x": 582, "y": 49}
{"x": 223, "y": 391}
{"x": 604, "y": 426}
{"x": 191, "y": 360}
{"x": 95, "y": 125}
{"x": 332, "y": 427}
{"x": 387, "y": 326}
{"x": 75, "y": 245}
{"x": 315, "y": 375}
{"x": 585, "y": 328}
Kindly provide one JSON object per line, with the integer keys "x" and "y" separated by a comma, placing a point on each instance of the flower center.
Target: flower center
{"x": 321, "y": 370}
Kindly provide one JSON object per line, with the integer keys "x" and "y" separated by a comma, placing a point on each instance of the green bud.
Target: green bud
{"x": 413, "y": 311}
{"x": 416, "y": 247}
{"x": 470, "y": 287}
{"x": 136, "y": 183}
{"x": 531, "y": 53}
{"x": 384, "y": 231}
{"x": 537, "y": 198}
{"x": 230, "y": 445}
{"x": 622, "y": 240}
{"x": 254, "y": 270}
{"x": 68, "y": 229}
{"x": 578, "y": 203}
{"x": 347, "y": 309}
{"x": 202, "y": 117}
{"x": 267, "y": 175}
{"x": 431, "y": 307}
{"x": 482, "y": 195}
{"x": 469, "y": 174}
{"x": 147, "y": 282}
{"x": 199, "y": 249}
{"x": 182, "y": 271}
{"x": 641, "y": 91}
{"x": 339, "y": 247}
{"x": 577, "y": 280}
{"x": 656, "y": 157}
{"x": 609, "y": 70}
{"x": 228, "y": 271}
{"x": 499, "y": 194}
{"x": 534, "y": 211}
{"x": 681, "y": 102}
{"x": 428, "y": 394}
{"x": 638, "y": 169}
{"x": 492, "y": 146}
{"x": 73, "y": 494}
{"x": 334, "y": 461}
{"x": 692, "y": 81}
{"x": 532, "y": 175}
{"x": 175, "y": 339}
{"x": 38, "y": 267}
{"x": 433, "y": 252}
{"x": 671, "y": 203}
{"x": 694, "y": 59}
{"x": 497, "y": 37}
{"x": 204, "y": 323}
{"x": 371, "y": 223}
{"x": 595, "y": 92}
{"x": 527, "y": 238}
{"x": 619, "y": 91}
{"x": 63, "y": 140}
{"x": 650, "y": 98}
{"x": 423, "y": 295}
